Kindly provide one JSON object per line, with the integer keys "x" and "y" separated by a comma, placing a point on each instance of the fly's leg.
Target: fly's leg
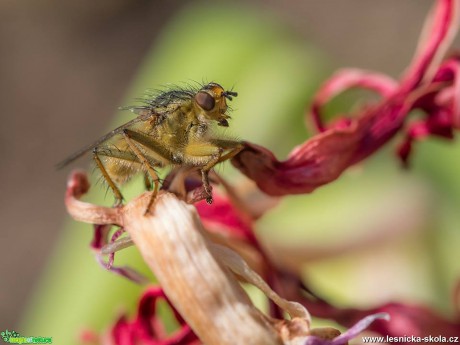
{"x": 147, "y": 183}
{"x": 115, "y": 190}
{"x": 151, "y": 171}
{"x": 208, "y": 155}
{"x": 205, "y": 174}
{"x": 235, "y": 147}
{"x": 204, "y": 155}
{"x": 159, "y": 151}
{"x": 126, "y": 157}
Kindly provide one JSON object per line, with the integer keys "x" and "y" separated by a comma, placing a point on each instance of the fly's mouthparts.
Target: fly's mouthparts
{"x": 223, "y": 123}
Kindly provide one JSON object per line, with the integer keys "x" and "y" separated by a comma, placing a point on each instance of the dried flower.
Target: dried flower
{"x": 198, "y": 277}
{"x": 197, "y": 253}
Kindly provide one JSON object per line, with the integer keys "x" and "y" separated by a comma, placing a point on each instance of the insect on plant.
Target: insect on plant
{"x": 173, "y": 128}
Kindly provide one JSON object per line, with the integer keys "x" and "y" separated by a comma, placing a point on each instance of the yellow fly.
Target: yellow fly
{"x": 175, "y": 128}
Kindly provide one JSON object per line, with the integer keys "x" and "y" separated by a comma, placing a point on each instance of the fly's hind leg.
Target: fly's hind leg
{"x": 150, "y": 170}
{"x": 112, "y": 185}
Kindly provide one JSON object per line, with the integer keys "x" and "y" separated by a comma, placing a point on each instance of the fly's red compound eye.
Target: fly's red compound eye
{"x": 205, "y": 100}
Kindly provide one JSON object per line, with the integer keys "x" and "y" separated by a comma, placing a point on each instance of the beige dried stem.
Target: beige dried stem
{"x": 198, "y": 276}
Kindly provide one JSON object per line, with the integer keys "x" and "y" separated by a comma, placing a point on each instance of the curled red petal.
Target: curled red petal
{"x": 146, "y": 328}
{"x": 312, "y": 164}
{"x": 100, "y": 236}
{"x": 100, "y": 239}
{"x": 115, "y": 236}
{"x": 346, "y": 79}
{"x": 438, "y": 123}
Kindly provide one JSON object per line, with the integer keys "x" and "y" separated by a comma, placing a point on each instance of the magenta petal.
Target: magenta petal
{"x": 100, "y": 237}
{"x": 346, "y": 79}
{"x": 115, "y": 236}
{"x": 417, "y": 130}
{"x": 121, "y": 332}
{"x": 146, "y": 328}
{"x": 314, "y": 163}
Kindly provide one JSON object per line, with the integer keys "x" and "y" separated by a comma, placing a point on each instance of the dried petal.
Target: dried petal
{"x": 238, "y": 266}
{"x": 173, "y": 244}
{"x": 78, "y": 185}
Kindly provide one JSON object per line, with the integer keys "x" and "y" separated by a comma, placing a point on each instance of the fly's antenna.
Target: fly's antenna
{"x": 230, "y": 94}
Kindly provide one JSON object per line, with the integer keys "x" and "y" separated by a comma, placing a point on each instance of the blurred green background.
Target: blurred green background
{"x": 378, "y": 234}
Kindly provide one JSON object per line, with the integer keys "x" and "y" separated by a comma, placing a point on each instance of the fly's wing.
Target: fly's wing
{"x": 163, "y": 104}
{"x": 143, "y": 117}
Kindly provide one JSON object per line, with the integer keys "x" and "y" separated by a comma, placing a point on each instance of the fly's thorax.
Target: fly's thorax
{"x": 197, "y": 130}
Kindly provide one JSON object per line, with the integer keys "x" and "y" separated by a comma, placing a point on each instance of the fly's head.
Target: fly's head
{"x": 211, "y": 102}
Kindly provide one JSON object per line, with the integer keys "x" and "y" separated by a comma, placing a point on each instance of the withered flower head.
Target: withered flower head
{"x": 200, "y": 253}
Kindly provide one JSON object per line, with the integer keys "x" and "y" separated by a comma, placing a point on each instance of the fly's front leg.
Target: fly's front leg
{"x": 207, "y": 155}
{"x": 112, "y": 185}
{"x": 205, "y": 174}
{"x": 233, "y": 147}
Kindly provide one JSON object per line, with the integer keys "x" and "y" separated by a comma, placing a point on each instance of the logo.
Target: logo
{"x": 13, "y": 337}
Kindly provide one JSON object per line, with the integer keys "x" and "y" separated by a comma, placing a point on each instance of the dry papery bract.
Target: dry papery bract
{"x": 199, "y": 277}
